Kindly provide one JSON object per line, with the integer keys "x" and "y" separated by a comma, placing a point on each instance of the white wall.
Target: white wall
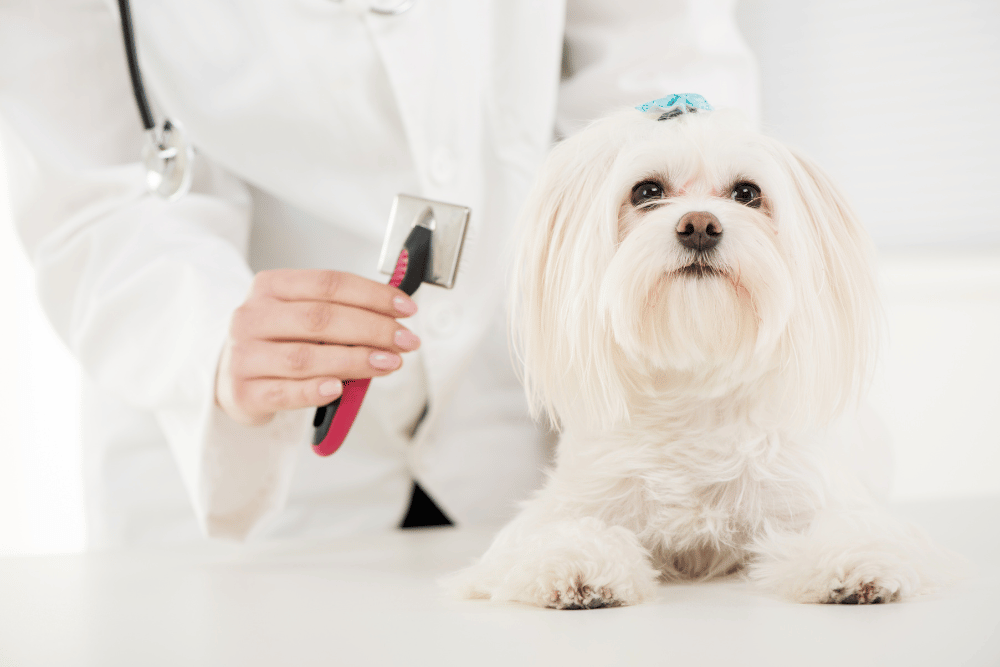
{"x": 898, "y": 100}
{"x": 939, "y": 386}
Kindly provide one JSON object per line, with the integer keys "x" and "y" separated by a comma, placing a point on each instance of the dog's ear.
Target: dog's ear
{"x": 839, "y": 316}
{"x": 566, "y": 238}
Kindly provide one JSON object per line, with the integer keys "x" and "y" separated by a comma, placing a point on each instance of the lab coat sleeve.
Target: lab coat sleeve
{"x": 140, "y": 289}
{"x": 621, "y": 54}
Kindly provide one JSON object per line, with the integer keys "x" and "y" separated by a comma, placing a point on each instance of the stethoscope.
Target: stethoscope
{"x": 167, "y": 156}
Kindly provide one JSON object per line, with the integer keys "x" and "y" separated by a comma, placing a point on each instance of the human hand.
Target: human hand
{"x": 300, "y": 333}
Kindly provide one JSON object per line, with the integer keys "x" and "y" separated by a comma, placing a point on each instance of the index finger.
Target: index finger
{"x": 334, "y": 287}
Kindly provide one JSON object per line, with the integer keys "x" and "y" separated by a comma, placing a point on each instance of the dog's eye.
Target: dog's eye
{"x": 747, "y": 194}
{"x": 646, "y": 191}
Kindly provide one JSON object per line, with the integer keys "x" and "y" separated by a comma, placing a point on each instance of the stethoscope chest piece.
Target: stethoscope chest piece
{"x": 169, "y": 160}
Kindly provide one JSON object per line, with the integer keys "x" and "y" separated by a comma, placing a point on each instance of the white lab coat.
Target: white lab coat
{"x": 308, "y": 117}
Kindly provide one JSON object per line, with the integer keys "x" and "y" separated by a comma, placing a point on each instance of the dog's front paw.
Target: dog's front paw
{"x": 851, "y": 559}
{"x": 582, "y": 564}
{"x": 865, "y": 592}
{"x": 850, "y": 577}
{"x": 575, "y": 594}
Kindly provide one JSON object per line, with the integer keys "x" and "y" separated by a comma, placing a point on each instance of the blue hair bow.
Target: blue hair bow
{"x": 675, "y": 105}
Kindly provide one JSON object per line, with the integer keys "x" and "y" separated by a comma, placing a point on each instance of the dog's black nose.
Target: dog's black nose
{"x": 699, "y": 230}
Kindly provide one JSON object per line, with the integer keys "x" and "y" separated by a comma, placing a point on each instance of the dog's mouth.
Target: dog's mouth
{"x": 699, "y": 269}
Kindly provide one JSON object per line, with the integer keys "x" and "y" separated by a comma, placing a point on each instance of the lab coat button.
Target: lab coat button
{"x": 442, "y": 166}
{"x": 444, "y": 319}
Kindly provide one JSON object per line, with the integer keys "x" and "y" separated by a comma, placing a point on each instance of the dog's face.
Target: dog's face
{"x": 684, "y": 260}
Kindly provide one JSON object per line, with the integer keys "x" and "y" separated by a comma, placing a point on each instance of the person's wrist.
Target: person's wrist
{"x": 225, "y": 395}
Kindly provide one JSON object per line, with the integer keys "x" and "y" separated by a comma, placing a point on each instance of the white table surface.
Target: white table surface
{"x": 374, "y": 601}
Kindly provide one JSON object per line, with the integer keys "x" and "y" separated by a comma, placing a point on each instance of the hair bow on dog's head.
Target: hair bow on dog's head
{"x": 675, "y": 105}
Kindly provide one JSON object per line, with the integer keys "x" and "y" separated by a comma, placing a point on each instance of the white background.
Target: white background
{"x": 40, "y": 487}
{"x": 897, "y": 99}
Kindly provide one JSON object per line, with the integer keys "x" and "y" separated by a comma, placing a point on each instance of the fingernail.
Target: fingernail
{"x": 331, "y": 388}
{"x": 406, "y": 339}
{"x": 404, "y": 305}
{"x": 384, "y": 361}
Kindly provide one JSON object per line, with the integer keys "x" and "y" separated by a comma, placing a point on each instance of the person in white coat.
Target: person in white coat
{"x": 308, "y": 117}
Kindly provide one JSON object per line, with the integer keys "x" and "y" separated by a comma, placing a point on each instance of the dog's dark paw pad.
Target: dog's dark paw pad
{"x": 581, "y": 596}
{"x": 869, "y": 592}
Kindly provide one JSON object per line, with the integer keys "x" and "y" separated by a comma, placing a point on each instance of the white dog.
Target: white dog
{"x": 695, "y": 309}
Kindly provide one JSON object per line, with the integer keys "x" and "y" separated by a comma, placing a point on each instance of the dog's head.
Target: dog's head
{"x": 689, "y": 258}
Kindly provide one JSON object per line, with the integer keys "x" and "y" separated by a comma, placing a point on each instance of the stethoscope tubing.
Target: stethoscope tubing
{"x": 135, "y": 74}
{"x": 167, "y": 155}
{"x": 138, "y": 90}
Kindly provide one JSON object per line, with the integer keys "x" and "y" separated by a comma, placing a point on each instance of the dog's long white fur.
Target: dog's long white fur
{"x": 709, "y": 422}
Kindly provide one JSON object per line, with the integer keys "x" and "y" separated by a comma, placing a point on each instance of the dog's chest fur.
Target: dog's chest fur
{"x": 695, "y": 500}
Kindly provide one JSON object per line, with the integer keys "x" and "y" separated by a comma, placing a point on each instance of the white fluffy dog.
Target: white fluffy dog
{"x": 695, "y": 309}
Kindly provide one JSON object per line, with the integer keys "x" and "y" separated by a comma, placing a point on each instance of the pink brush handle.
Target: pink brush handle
{"x": 343, "y": 419}
{"x": 349, "y": 403}
{"x": 407, "y": 276}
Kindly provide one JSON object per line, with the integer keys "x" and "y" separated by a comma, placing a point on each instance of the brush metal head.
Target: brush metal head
{"x": 447, "y": 223}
